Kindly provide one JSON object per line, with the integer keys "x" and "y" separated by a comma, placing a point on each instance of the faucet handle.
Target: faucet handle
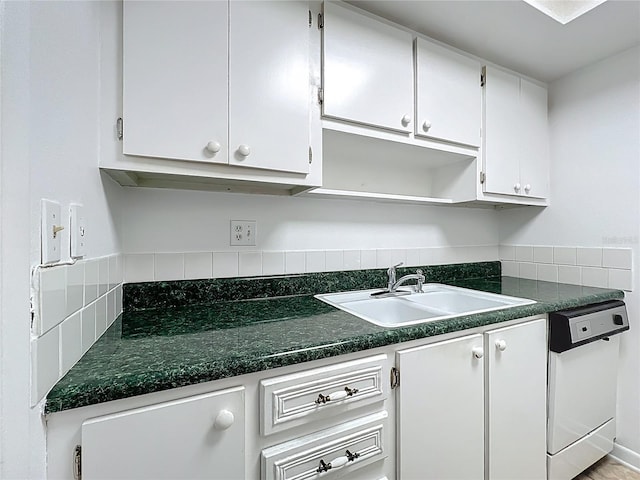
{"x": 420, "y": 281}
{"x": 396, "y": 266}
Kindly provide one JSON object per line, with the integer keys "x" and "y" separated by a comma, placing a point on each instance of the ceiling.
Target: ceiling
{"x": 515, "y": 35}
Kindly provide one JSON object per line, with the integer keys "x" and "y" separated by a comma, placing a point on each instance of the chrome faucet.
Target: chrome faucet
{"x": 393, "y": 284}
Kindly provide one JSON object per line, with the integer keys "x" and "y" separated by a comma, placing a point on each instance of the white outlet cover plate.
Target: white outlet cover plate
{"x": 51, "y": 217}
{"x": 243, "y": 233}
{"x": 78, "y": 231}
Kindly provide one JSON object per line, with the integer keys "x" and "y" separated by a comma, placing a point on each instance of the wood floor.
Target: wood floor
{"x": 608, "y": 469}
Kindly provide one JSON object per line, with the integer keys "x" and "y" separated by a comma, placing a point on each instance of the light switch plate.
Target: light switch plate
{"x": 51, "y": 231}
{"x": 243, "y": 232}
{"x": 78, "y": 231}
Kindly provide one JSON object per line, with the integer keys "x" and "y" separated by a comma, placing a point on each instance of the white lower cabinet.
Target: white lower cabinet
{"x": 194, "y": 437}
{"x": 448, "y": 390}
{"x": 468, "y": 407}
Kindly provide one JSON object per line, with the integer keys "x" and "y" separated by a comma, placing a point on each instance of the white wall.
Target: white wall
{"x": 181, "y": 221}
{"x": 594, "y": 117}
{"x": 54, "y": 93}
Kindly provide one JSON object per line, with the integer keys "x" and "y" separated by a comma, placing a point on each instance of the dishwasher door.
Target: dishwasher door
{"x": 582, "y": 391}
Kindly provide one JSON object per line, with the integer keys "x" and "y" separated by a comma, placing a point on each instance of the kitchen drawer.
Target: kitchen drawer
{"x": 339, "y": 451}
{"x": 321, "y": 393}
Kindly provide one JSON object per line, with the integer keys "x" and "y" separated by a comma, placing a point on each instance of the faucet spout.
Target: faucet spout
{"x": 419, "y": 276}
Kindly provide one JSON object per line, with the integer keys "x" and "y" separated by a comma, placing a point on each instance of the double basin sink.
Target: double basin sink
{"x": 435, "y": 302}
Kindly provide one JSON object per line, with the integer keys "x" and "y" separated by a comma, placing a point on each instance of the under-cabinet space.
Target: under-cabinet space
{"x": 361, "y": 166}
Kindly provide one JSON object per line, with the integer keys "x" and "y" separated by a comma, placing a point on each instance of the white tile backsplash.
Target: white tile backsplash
{"x": 543, "y": 254}
{"x": 564, "y": 255}
{"x": 569, "y": 274}
{"x": 617, "y": 258}
{"x": 138, "y": 267}
{"x": 53, "y": 297}
{"x": 595, "y": 277}
{"x": 589, "y": 256}
{"x": 70, "y": 342}
{"x": 547, "y": 273}
{"x": 351, "y": 260}
{"x": 334, "y": 260}
{"x": 168, "y": 267}
{"x": 69, "y": 307}
{"x": 620, "y": 279}
{"x": 383, "y": 258}
{"x": 294, "y": 262}
{"x": 272, "y": 263}
{"x": 528, "y": 270}
{"x": 316, "y": 261}
{"x": 75, "y": 288}
{"x": 225, "y": 264}
{"x": 249, "y": 264}
{"x": 507, "y": 252}
{"x": 510, "y": 269}
{"x": 368, "y": 259}
{"x": 198, "y": 265}
{"x": 524, "y": 253}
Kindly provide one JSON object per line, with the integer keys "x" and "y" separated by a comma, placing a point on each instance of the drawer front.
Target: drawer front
{"x": 300, "y": 398}
{"x": 337, "y": 451}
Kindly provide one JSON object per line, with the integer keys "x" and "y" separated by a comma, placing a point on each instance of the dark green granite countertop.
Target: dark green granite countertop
{"x": 181, "y": 333}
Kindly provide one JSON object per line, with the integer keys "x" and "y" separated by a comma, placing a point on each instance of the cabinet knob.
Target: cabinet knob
{"x": 213, "y": 146}
{"x": 478, "y": 352}
{"x": 406, "y": 120}
{"x": 501, "y": 345}
{"x": 244, "y": 150}
{"x": 527, "y": 188}
{"x": 224, "y": 420}
{"x": 426, "y": 125}
{"x": 516, "y": 187}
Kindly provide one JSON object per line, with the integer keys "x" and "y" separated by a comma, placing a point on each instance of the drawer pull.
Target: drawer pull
{"x": 334, "y": 396}
{"x": 337, "y": 462}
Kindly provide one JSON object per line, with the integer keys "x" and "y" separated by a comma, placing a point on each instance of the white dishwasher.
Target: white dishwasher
{"x": 583, "y": 371}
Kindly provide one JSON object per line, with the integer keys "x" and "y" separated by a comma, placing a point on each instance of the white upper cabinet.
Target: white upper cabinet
{"x": 175, "y": 80}
{"x": 448, "y": 95}
{"x": 516, "y": 144}
{"x": 269, "y": 94}
{"x": 218, "y": 82}
{"x": 367, "y": 70}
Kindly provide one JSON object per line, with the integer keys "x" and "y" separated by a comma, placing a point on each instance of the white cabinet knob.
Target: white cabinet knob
{"x": 224, "y": 420}
{"x": 478, "y": 352}
{"x": 426, "y": 125}
{"x": 244, "y": 150}
{"x": 501, "y": 345}
{"x": 527, "y": 188}
{"x": 516, "y": 187}
{"x": 406, "y": 120}
{"x": 213, "y": 147}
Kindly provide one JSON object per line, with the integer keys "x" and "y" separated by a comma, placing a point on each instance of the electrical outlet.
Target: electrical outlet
{"x": 243, "y": 232}
{"x": 78, "y": 231}
{"x": 50, "y": 231}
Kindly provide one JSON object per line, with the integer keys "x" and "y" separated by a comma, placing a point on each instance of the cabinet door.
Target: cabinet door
{"x": 517, "y": 400}
{"x": 534, "y": 157}
{"x": 175, "y": 79}
{"x": 448, "y": 94}
{"x": 269, "y": 88}
{"x": 191, "y": 438}
{"x": 440, "y": 410}
{"x": 501, "y": 131}
{"x": 367, "y": 70}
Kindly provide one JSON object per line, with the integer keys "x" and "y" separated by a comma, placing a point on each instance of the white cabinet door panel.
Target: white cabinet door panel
{"x": 177, "y": 439}
{"x": 269, "y": 94}
{"x": 516, "y": 398}
{"x": 175, "y": 79}
{"x": 367, "y": 70}
{"x": 440, "y": 411}
{"x": 448, "y": 94}
{"x": 502, "y": 148}
{"x": 534, "y": 159}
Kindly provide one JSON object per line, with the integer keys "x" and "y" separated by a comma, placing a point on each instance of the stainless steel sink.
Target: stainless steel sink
{"x": 437, "y": 302}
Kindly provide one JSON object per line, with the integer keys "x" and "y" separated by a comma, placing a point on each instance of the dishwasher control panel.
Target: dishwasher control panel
{"x": 574, "y": 327}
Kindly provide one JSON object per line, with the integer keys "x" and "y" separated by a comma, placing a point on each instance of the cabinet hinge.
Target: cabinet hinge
{"x": 77, "y": 462}
{"x": 320, "y": 21}
{"x": 320, "y": 96}
{"x": 395, "y": 377}
{"x": 119, "y": 128}
{"x": 310, "y": 19}
{"x": 483, "y": 76}
{"x": 310, "y": 155}
{"x": 483, "y": 177}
